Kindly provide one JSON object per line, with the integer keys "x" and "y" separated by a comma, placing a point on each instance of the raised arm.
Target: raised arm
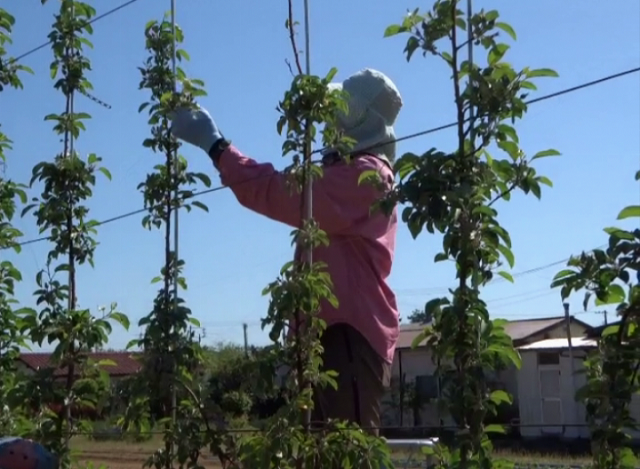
{"x": 339, "y": 202}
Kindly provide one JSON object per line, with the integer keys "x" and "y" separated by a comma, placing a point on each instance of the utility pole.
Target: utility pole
{"x": 245, "y": 327}
{"x": 605, "y": 315}
{"x": 567, "y": 319}
{"x": 572, "y": 363}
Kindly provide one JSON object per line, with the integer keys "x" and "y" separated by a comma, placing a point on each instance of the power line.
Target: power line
{"x": 13, "y": 60}
{"x": 531, "y": 101}
{"x": 406, "y": 137}
{"x": 93, "y": 20}
{"x": 533, "y": 270}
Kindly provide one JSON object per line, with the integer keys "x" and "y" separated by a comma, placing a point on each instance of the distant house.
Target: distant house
{"x": 123, "y": 364}
{"x": 413, "y": 368}
{"x": 548, "y": 382}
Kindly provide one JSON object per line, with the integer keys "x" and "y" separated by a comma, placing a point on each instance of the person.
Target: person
{"x": 361, "y": 334}
{"x": 19, "y": 453}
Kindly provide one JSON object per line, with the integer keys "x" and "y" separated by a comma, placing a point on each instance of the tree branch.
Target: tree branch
{"x": 292, "y": 38}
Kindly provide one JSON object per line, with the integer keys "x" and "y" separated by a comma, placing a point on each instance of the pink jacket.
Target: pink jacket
{"x": 362, "y": 242}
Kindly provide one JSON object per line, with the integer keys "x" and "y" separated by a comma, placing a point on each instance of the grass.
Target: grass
{"x": 122, "y": 455}
{"x": 118, "y": 454}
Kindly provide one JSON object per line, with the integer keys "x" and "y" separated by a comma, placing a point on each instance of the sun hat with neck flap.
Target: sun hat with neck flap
{"x": 374, "y": 103}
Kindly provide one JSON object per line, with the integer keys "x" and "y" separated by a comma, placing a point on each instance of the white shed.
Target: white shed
{"x": 547, "y": 384}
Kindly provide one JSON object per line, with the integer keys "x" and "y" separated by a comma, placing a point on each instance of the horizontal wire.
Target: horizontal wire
{"x": 406, "y": 137}
{"x": 91, "y": 21}
{"x": 100, "y": 102}
{"x": 531, "y": 101}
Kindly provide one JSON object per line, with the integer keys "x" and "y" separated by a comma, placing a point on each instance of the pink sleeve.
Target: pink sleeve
{"x": 338, "y": 201}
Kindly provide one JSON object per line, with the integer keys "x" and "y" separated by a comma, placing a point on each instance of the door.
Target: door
{"x": 551, "y": 400}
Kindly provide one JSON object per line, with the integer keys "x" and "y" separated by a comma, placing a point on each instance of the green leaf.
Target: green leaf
{"x": 496, "y": 53}
{"x": 628, "y": 458}
{"x": 507, "y": 254}
{"x": 200, "y": 205}
{"x": 394, "y": 30}
{"x": 495, "y": 428}
{"x": 507, "y": 29}
{"x": 499, "y": 397}
{"x": 106, "y": 172}
{"x": 412, "y": 45}
{"x": 545, "y": 153}
{"x": 183, "y": 55}
{"x": 509, "y": 132}
{"x": 542, "y": 72}
{"x": 544, "y": 180}
{"x": 619, "y": 233}
{"x": 615, "y": 294}
{"x": 132, "y": 343}
{"x": 121, "y": 319}
{"x": 370, "y": 175}
{"x": 527, "y": 85}
{"x": 610, "y": 330}
{"x": 564, "y": 273}
{"x": 632, "y": 211}
{"x": 421, "y": 337}
{"x": 427, "y": 450}
{"x": 483, "y": 209}
{"x": 506, "y": 275}
{"x": 511, "y": 148}
{"x": 441, "y": 256}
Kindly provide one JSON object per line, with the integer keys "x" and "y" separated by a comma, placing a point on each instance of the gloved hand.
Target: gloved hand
{"x": 18, "y": 453}
{"x": 195, "y": 126}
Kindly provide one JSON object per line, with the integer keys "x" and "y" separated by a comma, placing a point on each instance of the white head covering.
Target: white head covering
{"x": 374, "y": 103}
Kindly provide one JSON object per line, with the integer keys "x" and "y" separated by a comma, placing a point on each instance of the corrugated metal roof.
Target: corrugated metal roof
{"x": 408, "y": 332}
{"x": 522, "y": 329}
{"x": 548, "y": 344}
{"x": 517, "y": 330}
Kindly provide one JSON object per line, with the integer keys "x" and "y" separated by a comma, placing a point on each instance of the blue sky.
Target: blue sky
{"x": 239, "y": 50}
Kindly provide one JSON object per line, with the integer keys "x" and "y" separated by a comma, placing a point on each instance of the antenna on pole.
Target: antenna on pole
{"x": 245, "y": 334}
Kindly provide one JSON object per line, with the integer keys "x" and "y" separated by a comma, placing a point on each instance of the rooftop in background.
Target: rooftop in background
{"x": 519, "y": 330}
{"x": 597, "y": 331}
{"x": 126, "y": 363}
{"x": 560, "y": 344}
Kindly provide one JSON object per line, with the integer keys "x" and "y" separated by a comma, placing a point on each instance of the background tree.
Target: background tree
{"x": 420, "y": 316}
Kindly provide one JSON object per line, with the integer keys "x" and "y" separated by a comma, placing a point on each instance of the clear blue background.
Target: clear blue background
{"x": 239, "y": 49}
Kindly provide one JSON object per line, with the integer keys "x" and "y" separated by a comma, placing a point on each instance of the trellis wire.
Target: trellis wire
{"x": 404, "y": 138}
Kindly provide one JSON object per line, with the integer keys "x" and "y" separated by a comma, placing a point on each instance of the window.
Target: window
{"x": 427, "y": 387}
{"x": 548, "y": 358}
